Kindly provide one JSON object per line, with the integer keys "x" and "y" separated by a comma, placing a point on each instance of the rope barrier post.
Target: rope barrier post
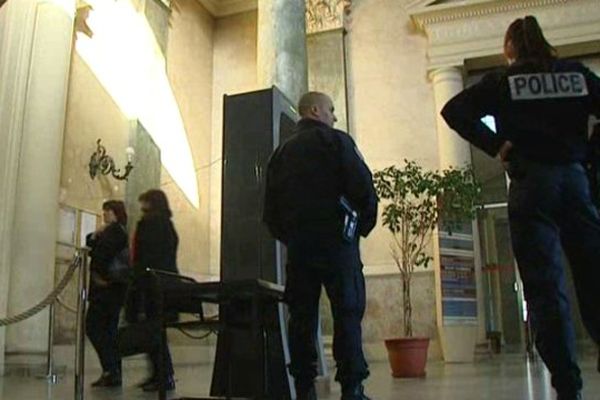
{"x": 80, "y": 337}
{"x": 50, "y": 374}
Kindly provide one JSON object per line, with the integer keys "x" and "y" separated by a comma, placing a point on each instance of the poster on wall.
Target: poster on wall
{"x": 67, "y": 226}
{"x": 88, "y": 225}
{"x": 459, "y": 288}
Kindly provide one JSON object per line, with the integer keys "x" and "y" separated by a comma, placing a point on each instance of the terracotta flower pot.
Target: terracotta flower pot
{"x": 408, "y": 357}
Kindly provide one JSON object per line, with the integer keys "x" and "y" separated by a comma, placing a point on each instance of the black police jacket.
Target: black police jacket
{"x": 306, "y": 177}
{"x": 543, "y": 111}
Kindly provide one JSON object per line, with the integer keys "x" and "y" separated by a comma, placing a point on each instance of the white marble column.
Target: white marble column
{"x": 281, "y": 52}
{"x": 5, "y": 199}
{"x": 453, "y": 150}
{"x": 35, "y": 55}
{"x": 458, "y": 342}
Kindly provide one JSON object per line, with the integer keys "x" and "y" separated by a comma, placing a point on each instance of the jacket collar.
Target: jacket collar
{"x": 312, "y": 123}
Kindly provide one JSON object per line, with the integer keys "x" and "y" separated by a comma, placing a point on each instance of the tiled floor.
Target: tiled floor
{"x": 506, "y": 378}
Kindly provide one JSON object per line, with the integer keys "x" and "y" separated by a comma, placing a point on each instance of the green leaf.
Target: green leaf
{"x": 416, "y": 200}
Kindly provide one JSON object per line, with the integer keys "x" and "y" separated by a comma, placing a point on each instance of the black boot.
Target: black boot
{"x": 109, "y": 379}
{"x": 354, "y": 392}
{"x": 154, "y": 385}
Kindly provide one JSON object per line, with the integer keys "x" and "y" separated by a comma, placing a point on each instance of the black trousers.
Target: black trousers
{"x": 102, "y": 323}
{"x": 155, "y": 361}
{"x": 151, "y": 288}
{"x": 551, "y": 211}
{"x": 339, "y": 269}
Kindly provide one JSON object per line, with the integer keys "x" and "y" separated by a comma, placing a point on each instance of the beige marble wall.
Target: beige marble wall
{"x": 383, "y": 318}
{"x": 326, "y": 70}
{"x": 383, "y": 315}
{"x": 234, "y": 72}
{"x": 91, "y": 114}
{"x": 189, "y": 68}
{"x": 392, "y": 117}
{"x": 390, "y": 99}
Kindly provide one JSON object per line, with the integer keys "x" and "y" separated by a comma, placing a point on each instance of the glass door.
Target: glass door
{"x": 503, "y": 291}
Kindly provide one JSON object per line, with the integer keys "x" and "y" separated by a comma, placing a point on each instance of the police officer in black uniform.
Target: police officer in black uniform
{"x": 541, "y": 106}
{"x": 319, "y": 200}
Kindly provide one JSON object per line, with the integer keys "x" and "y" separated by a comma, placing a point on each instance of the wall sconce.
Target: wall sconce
{"x": 101, "y": 163}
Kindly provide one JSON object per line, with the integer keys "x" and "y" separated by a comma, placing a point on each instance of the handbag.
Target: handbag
{"x": 118, "y": 270}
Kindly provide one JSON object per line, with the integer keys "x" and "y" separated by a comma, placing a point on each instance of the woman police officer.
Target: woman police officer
{"x": 542, "y": 106}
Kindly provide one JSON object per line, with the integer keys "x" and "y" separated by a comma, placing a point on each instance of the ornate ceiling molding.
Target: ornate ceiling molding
{"x": 458, "y": 32}
{"x": 478, "y": 8}
{"x": 321, "y": 15}
{"x": 326, "y": 15}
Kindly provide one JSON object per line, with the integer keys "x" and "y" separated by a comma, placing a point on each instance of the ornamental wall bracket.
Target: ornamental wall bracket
{"x": 103, "y": 164}
{"x": 326, "y": 15}
{"x": 82, "y": 14}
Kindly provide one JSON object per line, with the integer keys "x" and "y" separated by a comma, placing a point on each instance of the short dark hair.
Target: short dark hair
{"x": 159, "y": 204}
{"x": 529, "y": 41}
{"x": 118, "y": 208}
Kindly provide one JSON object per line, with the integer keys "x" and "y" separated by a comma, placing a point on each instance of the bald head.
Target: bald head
{"x": 317, "y": 106}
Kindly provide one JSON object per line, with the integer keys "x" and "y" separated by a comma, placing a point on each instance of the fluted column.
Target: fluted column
{"x": 35, "y": 55}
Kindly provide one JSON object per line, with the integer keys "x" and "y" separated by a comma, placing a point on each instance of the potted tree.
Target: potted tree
{"x": 415, "y": 201}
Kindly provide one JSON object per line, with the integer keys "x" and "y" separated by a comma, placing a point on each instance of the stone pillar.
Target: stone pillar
{"x": 453, "y": 150}
{"x": 281, "y": 52}
{"x": 35, "y": 55}
{"x": 458, "y": 341}
{"x": 6, "y": 197}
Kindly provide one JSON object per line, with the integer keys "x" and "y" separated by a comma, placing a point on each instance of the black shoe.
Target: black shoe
{"x": 154, "y": 385}
{"x": 109, "y": 380}
{"x": 578, "y": 396}
{"x": 306, "y": 394}
{"x": 354, "y": 392}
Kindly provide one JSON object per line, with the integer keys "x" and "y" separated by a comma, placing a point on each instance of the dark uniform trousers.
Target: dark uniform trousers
{"x": 339, "y": 270}
{"x": 550, "y": 206}
{"x": 102, "y": 321}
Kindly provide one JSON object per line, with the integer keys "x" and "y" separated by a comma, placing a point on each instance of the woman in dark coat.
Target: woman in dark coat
{"x": 155, "y": 247}
{"x": 106, "y": 297}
